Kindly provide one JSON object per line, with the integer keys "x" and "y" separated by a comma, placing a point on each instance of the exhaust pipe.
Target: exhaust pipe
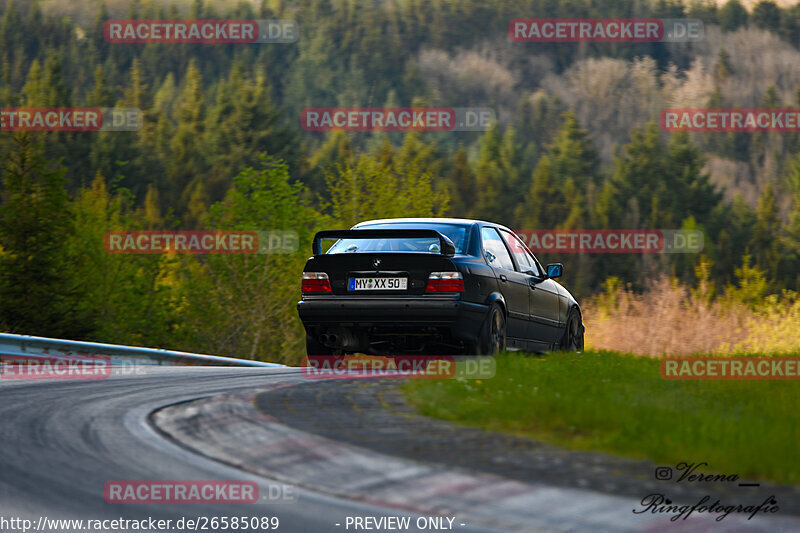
{"x": 340, "y": 339}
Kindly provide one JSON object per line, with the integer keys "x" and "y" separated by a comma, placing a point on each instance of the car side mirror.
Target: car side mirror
{"x": 555, "y": 270}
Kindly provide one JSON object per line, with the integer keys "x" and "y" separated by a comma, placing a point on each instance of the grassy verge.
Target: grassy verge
{"x": 616, "y": 403}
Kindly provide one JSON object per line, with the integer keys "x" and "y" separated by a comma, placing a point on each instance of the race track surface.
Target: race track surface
{"x": 62, "y": 441}
{"x": 321, "y": 454}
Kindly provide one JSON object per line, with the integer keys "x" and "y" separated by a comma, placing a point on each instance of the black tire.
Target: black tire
{"x": 492, "y": 337}
{"x": 572, "y": 341}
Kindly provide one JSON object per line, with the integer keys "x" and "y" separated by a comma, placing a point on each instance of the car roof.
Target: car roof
{"x": 431, "y": 220}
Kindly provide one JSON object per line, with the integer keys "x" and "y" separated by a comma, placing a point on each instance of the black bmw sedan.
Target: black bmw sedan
{"x": 433, "y": 286}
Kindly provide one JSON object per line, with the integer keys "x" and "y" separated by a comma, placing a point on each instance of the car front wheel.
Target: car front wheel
{"x": 572, "y": 341}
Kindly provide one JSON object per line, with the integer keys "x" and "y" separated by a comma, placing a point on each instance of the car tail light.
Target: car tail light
{"x": 445, "y": 282}
{"x": 316, "y": 282}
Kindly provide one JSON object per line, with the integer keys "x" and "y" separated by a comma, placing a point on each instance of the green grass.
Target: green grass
{"x": 616, "y": 403}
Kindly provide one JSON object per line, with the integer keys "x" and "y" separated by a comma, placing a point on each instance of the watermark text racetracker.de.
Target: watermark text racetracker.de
{"x": 201, "y": 242}
{"x": 55, "y": 367}
{"x": 398, "y": 367}
{"x": 612, "y": 241}
{"x": 397, "y": 118}
{"x": 605, "y": 30}
{"x": 70, "y": 119}
{"x": 210, "y": 31}
{"x": 193, "y": 492}
{"x": 730, "y": 368}
{"x": 730, "y": 120}
{"x": 70, "y": 366}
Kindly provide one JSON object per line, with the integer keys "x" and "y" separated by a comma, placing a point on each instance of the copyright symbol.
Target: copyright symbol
{"x": 663, "y": 473}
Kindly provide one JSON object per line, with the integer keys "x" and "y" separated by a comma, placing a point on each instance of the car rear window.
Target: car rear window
{"x": 455, "y": 232}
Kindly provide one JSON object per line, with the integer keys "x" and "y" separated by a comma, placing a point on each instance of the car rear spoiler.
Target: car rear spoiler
{"x": 446, "y": 245}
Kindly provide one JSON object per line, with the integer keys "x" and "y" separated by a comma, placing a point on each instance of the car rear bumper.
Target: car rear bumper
{"x": 463, "y": 319}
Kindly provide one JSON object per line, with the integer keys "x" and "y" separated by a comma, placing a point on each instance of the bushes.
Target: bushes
{"x": 670, "y": 318}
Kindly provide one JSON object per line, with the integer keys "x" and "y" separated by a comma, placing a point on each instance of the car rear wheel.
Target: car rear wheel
{"x": 572, "y": 341}
{"x": 492, "y": 338}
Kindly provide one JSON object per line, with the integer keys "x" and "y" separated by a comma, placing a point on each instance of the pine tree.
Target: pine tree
{"x": 766, "y": 15}
{"x": 38, "y": 294}
{"x": 732, "y": 15}
{"x": 101, "y": 94}
{"x": 188, "y": 156}
{"x": 737, "y": 222}
{"x": 792, "y": 237}
{"x": 766, "y": 239}
{"x": 488, "y": 177}
{"x": 692, "y": 193}
{"x": 573, "y": 154}
{"x": 462, "y": 183}
{"x": 641, "y": 174}
{"x": 561, "y": 178}
{"x": 242, "y": 124}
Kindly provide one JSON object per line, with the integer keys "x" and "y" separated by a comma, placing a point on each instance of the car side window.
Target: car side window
{"x": 537, "y": 267}
{"x": 525, "y": 262}
{"x": 496, "y": 253}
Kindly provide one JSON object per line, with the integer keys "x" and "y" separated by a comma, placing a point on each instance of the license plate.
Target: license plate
{"x": 378, "y": 284}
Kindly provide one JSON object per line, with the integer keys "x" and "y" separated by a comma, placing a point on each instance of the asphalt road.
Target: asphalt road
{"x": 63, "y": 440}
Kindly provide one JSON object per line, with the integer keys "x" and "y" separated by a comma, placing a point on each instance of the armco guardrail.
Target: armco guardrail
{"x": 28, "y": 346}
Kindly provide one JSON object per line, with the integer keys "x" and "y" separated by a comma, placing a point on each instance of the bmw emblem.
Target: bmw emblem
{"x": 376, "y": 262}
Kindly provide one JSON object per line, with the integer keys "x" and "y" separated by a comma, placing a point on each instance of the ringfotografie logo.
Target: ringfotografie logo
{"x": 694, "y": 473}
